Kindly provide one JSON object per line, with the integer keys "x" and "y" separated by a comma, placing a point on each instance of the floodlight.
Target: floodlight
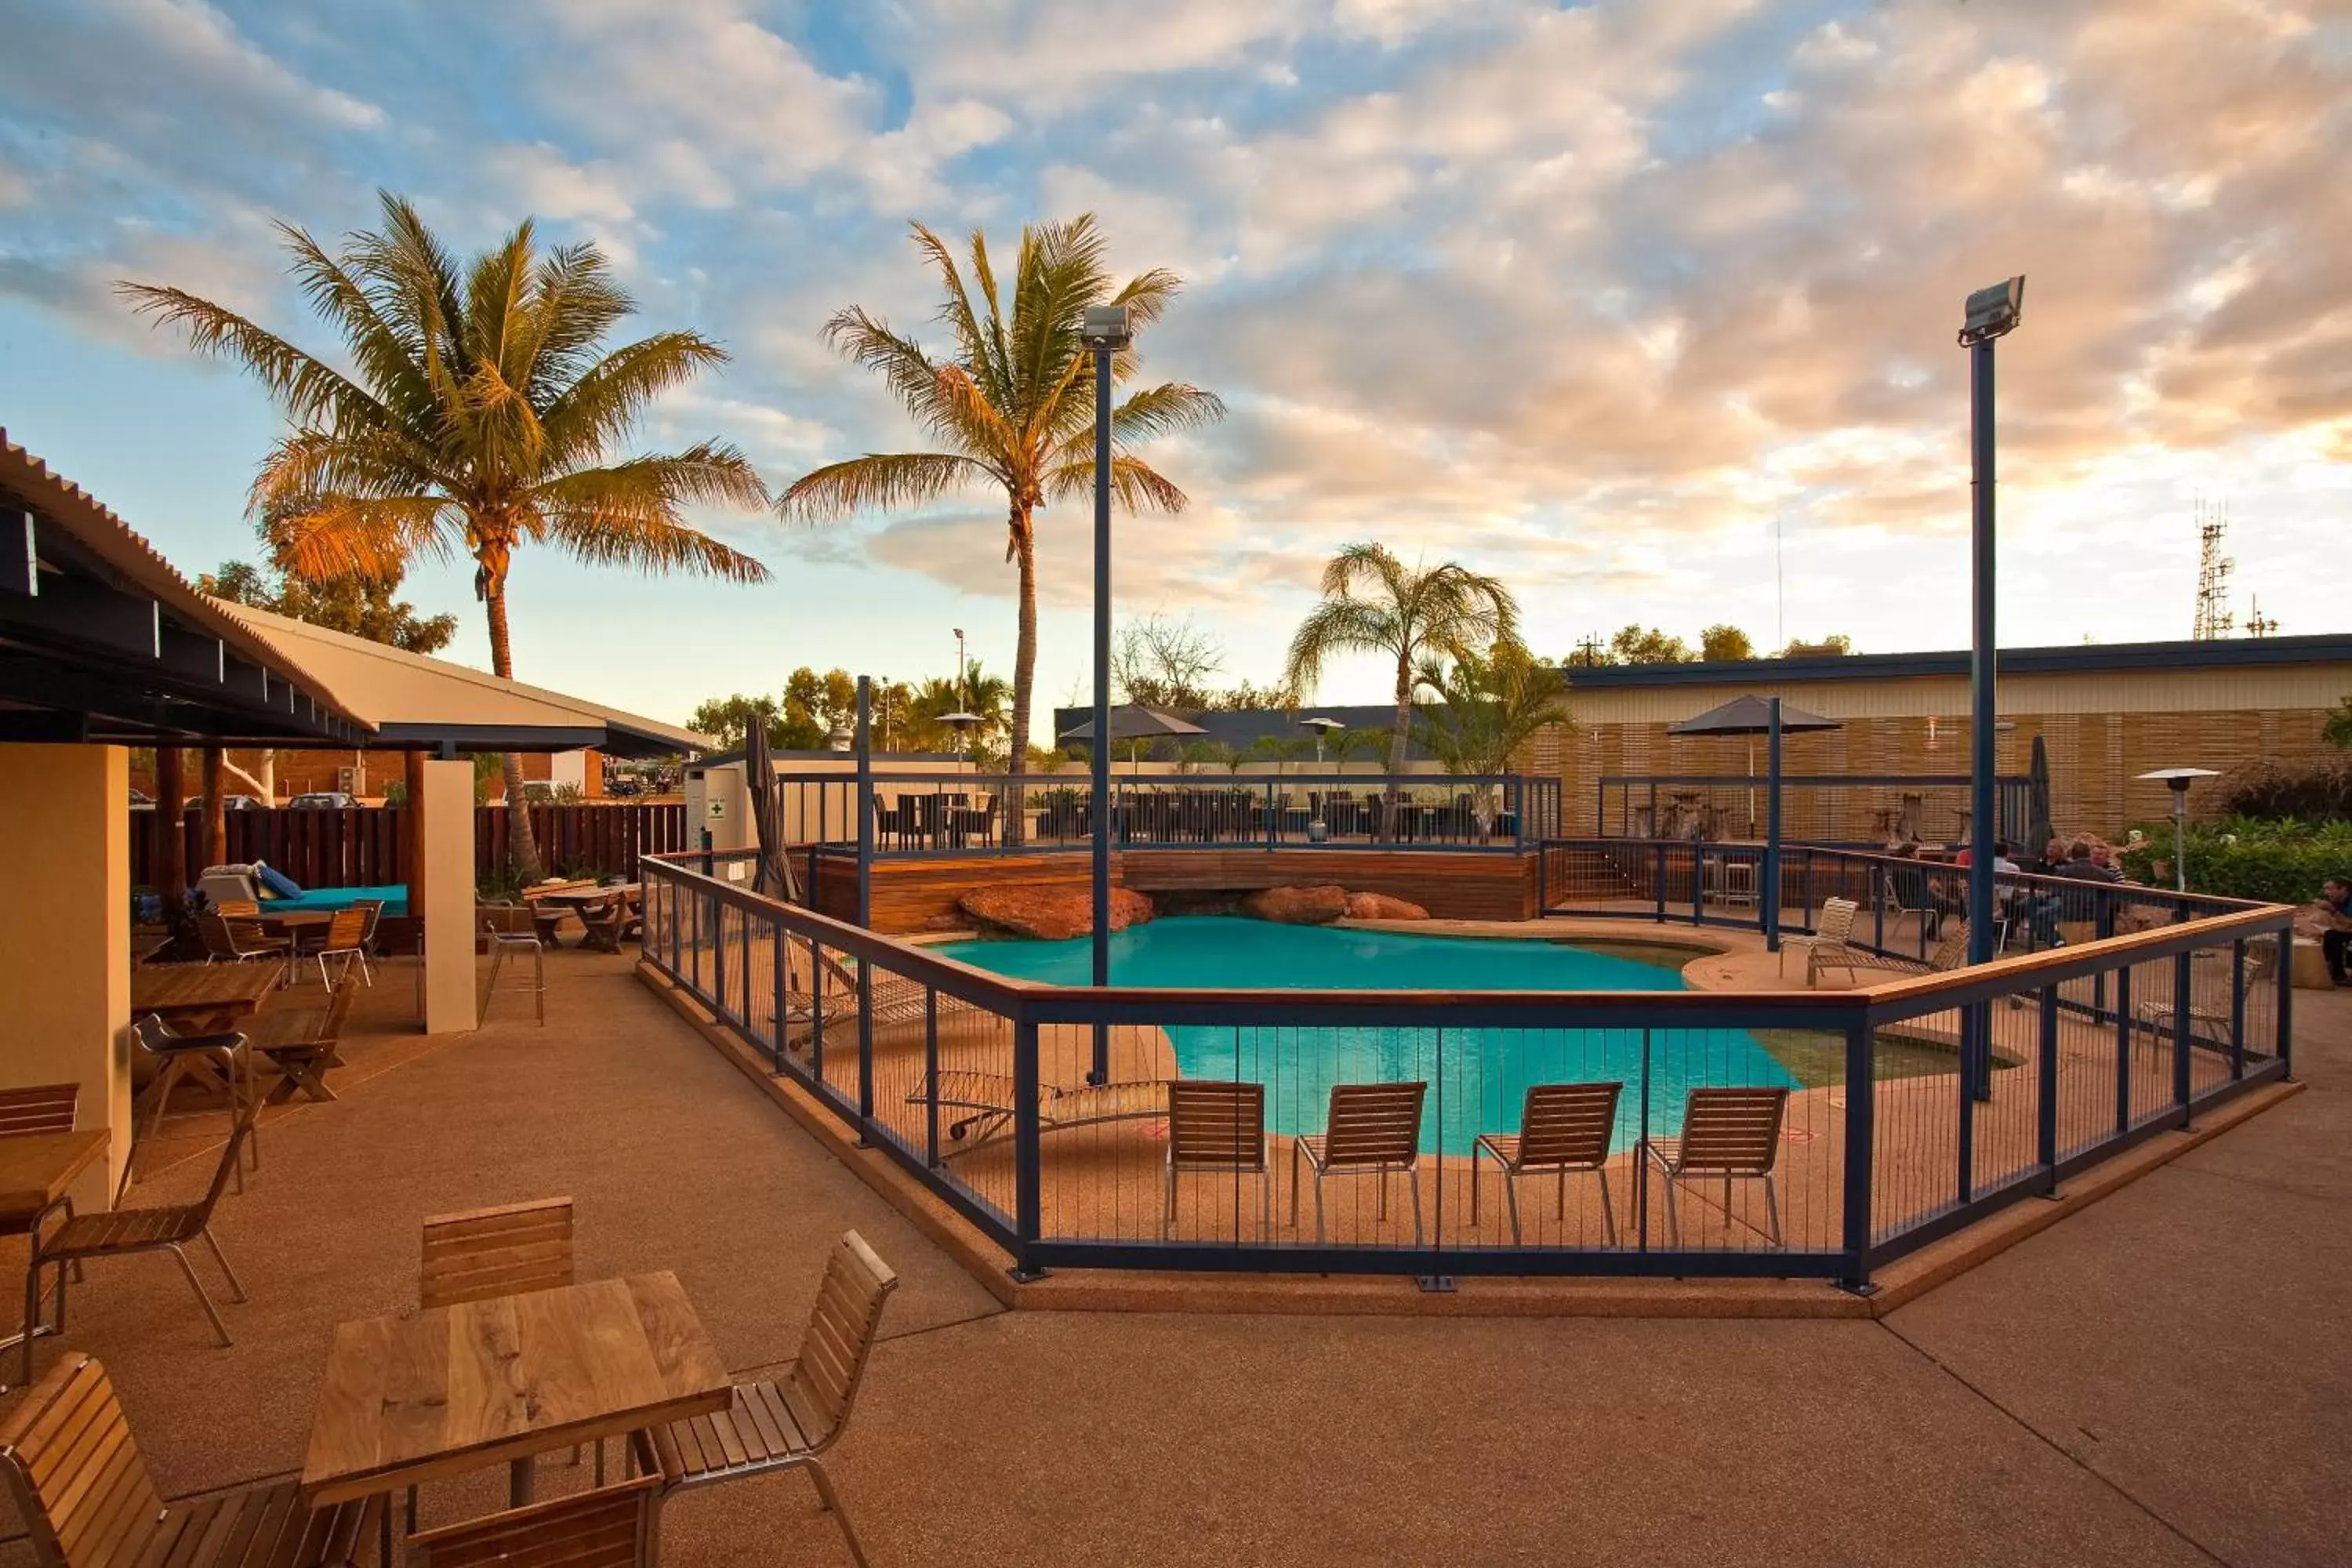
{"x": 1993, "y": 312}
{"x": 1106, "y": 327}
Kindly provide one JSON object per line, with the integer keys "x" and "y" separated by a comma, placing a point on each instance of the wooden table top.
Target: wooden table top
{"x": 169, "y": 988}
{"x": 419, "y": 1398}
{"x": 36, "y": 1168}
{"x": 592, "y": 895}
{"x": 290, "y": 920}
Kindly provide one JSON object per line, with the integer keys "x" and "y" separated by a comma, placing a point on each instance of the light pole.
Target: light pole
{"x": 963, "y": 696}
{"x": 1105, "y": 332}
{"x": 1991, "y": 313}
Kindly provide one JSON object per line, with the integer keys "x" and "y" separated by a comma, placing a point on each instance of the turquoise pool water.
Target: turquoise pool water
{"x": 1477, "y": 1076}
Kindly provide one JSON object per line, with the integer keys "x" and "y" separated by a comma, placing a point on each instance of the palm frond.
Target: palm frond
{"x": 868, "y": 341}
{"x": 1164, "y": 410}
{"x": 1336, "y": 626}
{"x": 303, "y": 388}
{"x": 973, "y": 341}
{"x": 886, "y": 481}
{"x": 602, "y": 404}
{"x": 1134, "y": 484}
{"x": 324, "y": 536}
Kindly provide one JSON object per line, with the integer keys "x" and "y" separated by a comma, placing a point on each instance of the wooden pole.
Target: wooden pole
{"x": 171, "y": 868}
{"x": 413, "y": 773}
{"x": 216, "y": 822}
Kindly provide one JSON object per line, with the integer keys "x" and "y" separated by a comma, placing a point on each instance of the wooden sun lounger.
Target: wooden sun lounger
{"x": 987, "y": 1099}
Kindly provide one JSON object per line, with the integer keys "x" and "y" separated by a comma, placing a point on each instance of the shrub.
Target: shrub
{"x": 2317, "y": 791}
{"x": 2279, "y": 862}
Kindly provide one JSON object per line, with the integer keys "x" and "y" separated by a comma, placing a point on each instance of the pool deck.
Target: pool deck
{"x": 2160, "y": 1378}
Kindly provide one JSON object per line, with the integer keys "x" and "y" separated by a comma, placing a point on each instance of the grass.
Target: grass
{"x": 1816, "y": 1057}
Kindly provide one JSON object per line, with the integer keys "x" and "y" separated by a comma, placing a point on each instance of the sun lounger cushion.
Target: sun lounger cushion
{"x": 274, "y": 883}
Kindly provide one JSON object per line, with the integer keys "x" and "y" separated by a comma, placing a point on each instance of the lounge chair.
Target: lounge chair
{"x": 2209, "y": 1003}
{"x": 786, "y": 1422}
{"x": 896, "y": 999}
{"x": 986, "y": 1099}
{"x": 88, "y": 1501}
{"x": 1564, "y": 1128}
{"x": 1831, "y": 932}
{"x": 117, "y": 1233}
{"x": 1371, "y": 1129}
{"x": 1217, "y": 1126}
{"x": 1822, "y": 954}
{"x": 1728, "y": 1134}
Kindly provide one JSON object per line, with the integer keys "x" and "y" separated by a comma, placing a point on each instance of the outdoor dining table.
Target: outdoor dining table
{"x": 201, "y": 998}
{"x": 579, "y": 900}
{"x": 35, "y": 1170}
{"x": 424, "y": 1396}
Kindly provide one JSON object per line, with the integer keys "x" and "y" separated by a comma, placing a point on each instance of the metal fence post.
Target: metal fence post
{"x": 2046, "y": 1070}
{"x": 1861, "y": 1150}
{"x": 2123, "y": 1047}
{"x": 2286, "y": 1002}
{"x": 1028, "y": 1208}
{"x": 2183, "y": 977}
{"x": 2238, "y": 1009}
{"x": 930, "y": 1076}
{"x": 783, "y": 957}
{"x": 1974, "y": 1018}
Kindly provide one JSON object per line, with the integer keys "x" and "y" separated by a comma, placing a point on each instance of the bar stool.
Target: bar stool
{"x": 503, "y": 942}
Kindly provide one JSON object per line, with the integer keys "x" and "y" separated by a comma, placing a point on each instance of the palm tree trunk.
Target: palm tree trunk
{"x": 1397, "y": 736}
{"x": 522, "y": 849}
{"x": 1024, "y": 678}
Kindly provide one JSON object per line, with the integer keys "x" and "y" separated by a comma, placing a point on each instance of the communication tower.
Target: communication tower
{"x": 2213, "y": 617}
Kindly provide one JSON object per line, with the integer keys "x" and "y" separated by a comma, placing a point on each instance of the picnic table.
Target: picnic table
{"x": 420, "y": 1397}
{"x": 35, "y": 1170}
{"x": 581, "y": 901}
{"x": 201, "y": 998}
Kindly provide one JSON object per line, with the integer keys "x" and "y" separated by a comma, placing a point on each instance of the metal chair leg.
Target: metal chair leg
{"x": 1511, "y": 1201}
{"x": 226, "y": 1272}
{"x": 202, "y": 1300}
{"x": 1412, "y": 1179}
{"x": 827, "y": 1495}
{"x": 165, "y": 1077}
{"x": 1772, "y": 1213}
{"x": 1608, "y": 1210}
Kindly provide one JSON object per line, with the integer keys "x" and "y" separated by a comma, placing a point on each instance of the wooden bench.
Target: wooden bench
{"x": 301, "y": 1042}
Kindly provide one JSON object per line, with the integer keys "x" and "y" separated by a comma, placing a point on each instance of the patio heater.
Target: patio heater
{"x": 1991, "y": 314}
{"x": 2178, "y": 781}
{"x": 1318, "y": 829}
{"x": 1105, "y": 332}
{"x": 962, "y": 724}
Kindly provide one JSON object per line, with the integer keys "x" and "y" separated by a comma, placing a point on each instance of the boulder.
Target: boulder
{"x": 1380, "y": 907}
{"x": 1050, "y": 912}
{"x": 1299, "y": 906}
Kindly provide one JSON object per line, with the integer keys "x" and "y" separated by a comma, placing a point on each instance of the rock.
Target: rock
{"x": 1380, "y": 907}
{"x": 1051, "y": 912}
{"x": 1299, "y": 906}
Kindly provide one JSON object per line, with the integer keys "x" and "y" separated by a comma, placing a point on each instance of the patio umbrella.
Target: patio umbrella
{"x": 2039, "y": 829}
{"x": 1751, "y": 716}
{"x": 1135, "y": 722}
{"x": 774, "y": 879}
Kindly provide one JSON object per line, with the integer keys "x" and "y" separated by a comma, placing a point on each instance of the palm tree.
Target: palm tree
{"x": 479, "y": 418}
{"x": 1011, "y": 407}
{"x": 1374, "y": 602}
{"x": 1486, "y": 710}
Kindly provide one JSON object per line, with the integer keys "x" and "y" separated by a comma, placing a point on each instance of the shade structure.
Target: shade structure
{"x": 1751, "y": 715}
{"x": 2039, "y": 829}
{"x": 775, "y": 876}
{"x": 1136, "y": 722}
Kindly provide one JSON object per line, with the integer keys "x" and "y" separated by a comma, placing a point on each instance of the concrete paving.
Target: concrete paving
{"x": 2163, "y": 1378}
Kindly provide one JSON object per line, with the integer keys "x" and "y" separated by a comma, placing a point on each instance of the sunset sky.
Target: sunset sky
{"x": 1588, "y": 296}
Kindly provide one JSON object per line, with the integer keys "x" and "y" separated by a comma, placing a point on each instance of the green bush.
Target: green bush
{"x": 2279, "y": 862}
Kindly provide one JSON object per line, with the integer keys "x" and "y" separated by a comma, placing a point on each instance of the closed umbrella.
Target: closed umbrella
{"x": 775, "y": 878}
{"x": 2039, "y": 829}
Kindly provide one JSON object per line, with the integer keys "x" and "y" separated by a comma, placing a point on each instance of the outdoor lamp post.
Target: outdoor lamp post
{"x": 1991, "y": 313}
{"x": 1318, "y": 829}
{"x": 2178, "y": 781}
{"x": 1105, "y": 332}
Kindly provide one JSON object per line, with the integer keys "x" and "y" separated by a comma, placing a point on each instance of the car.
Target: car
{"x": 228, "y": 803}
{"x": 142, "y": 801}
{"x": 323, "y": 800}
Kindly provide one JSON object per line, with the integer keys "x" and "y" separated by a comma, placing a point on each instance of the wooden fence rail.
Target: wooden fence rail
{"x": 367, "y": 846}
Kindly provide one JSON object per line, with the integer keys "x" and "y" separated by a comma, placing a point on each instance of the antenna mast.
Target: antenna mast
{"x": 2213, "y": 617}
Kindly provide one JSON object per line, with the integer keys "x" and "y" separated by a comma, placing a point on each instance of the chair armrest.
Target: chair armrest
{"x": 222, "y": 1042}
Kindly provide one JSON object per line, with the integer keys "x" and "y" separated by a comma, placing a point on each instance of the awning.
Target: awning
{"x": 419, "y": 703}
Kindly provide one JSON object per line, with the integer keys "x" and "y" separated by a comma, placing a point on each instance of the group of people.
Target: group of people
{"x": 2080, "y": 859}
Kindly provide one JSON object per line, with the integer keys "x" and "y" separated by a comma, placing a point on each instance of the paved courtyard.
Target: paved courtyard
{"x": 2164, "y": 1377}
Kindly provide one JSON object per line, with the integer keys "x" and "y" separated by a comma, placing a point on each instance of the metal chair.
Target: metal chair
{"x": 1372, "y": 1129}
{"x": 29, "y": 1112}
{"x": 1728, "y": 1134}
{"x": 173, "y": 1052}
{"x": 779, "y": 1423}
{"x": 83, "y": 1490}
{"x": 1564, "y": 1128}
{"x": 502, "y": 943}
{"x": 347, "y": 935}
{"x": 611, "y": 1527}
{"x": 232, "y": 940}
{"x": 117, "y": 1233}
{"x": 1217, "y": 1126}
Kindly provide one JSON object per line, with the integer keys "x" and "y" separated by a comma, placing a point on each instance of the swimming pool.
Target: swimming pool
{"x": 1477, "y": 1076}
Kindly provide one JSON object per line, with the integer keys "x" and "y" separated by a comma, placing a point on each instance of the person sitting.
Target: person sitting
{"x": 2331, "y": 917}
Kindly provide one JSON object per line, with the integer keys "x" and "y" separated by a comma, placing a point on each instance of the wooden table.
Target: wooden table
{"x": 35, "y": 1168}
{"x": 201, "y": 998}
{"x": 435, "y": 1393}
{"x": 579, "y": 901}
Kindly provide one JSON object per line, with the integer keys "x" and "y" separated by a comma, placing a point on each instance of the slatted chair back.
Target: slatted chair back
{"x": 502, "y": 1251}
{"x": 347, "y": 929}
{"x": 1567, "y": 1125}
{"x": 75, "y": 1471}
{"x": 372, "y": 912}
{"x": 43, "y": 1108}
{"x": 1210, "y": 1122}
{"x": 1835, "y": 924}
{"x": 1731, "y": 1132}
{"x": 338, "y": 1009}
{"x": 1374, "y": 1123}
{"x": 611, "y": 1527}
{"x": 1952, "y": 951}
{"x": 233, "y": 909}
{"x": 226, "y": 1168}
{"x": 219, "y": 940}
{"x": 822, "y": 1382}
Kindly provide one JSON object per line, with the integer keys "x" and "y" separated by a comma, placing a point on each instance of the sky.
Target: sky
{"x": 1646, "y": 308}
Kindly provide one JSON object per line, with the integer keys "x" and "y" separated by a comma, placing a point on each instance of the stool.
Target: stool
{"x": 503, "y": 942}
{"x": 2310, "y": 972}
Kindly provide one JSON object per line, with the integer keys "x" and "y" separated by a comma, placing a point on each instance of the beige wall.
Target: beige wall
{"x": 449, "y": 921}
{"x": 65, "y": 935}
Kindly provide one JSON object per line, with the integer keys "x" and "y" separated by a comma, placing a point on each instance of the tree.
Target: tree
{"x": 1638, "y": 644}
{"x": 728, "y": 719}
{"x": 354, "y": 605}
{"x": 1013, "y": 407}
{"x": 1837, "y": 645}
{"x": 1721, "y": 643}
{"x": 1161, "y": 662}
{"x": 1488, "y": 706}
{"x": 480, "y": 419}
{"x": 2338, "y": 732}
{"x": 1374, "y": 602}
{"x": 816, "y": 706}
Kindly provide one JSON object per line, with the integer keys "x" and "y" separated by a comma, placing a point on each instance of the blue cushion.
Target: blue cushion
{"x": 276, "y": 884}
